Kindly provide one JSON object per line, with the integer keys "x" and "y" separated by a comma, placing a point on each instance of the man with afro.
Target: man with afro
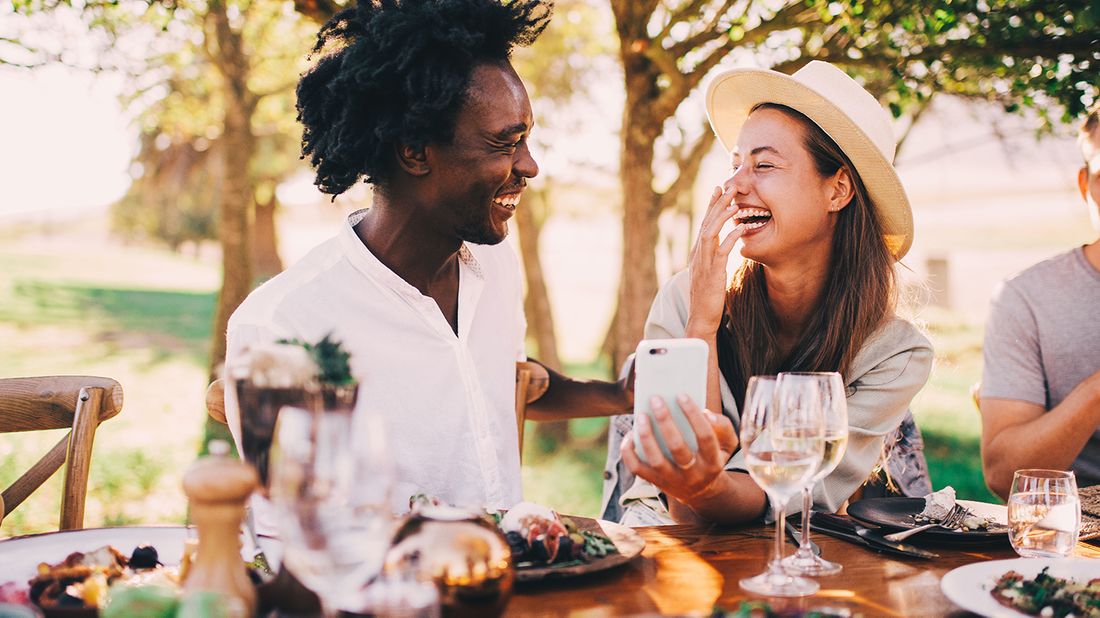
{"x": 418, "y": 98}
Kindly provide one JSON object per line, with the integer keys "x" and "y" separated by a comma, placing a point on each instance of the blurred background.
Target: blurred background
{"x": 150, "y": 177}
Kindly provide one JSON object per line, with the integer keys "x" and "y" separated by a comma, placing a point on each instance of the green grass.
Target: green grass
{"x": 945, "y": 411}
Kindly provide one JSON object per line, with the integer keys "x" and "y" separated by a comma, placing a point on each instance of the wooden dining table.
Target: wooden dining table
{"x": 689, "y": 570}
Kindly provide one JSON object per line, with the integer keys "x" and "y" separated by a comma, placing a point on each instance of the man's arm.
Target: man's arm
{"x": 568, "y": 398}
{"x": 1020, "y": 434}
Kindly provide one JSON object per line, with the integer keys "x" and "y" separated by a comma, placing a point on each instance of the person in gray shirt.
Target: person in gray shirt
{"x": 1040, "y": 391}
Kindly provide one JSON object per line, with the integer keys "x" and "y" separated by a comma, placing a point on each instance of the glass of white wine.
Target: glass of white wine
{"x": 783, "y": 438}
{"x": 1044, "y": 513}
{"x": 834, "y": 405}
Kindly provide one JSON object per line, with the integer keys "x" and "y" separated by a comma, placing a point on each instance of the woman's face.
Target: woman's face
{"x": 788, "y": 209}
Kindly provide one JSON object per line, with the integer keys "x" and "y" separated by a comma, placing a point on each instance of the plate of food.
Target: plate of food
{"x": 547, "y": 546}
{"x": 68, "y": 573}
{"x": 987, "y": 523}
{"x": 1026, "y": 587}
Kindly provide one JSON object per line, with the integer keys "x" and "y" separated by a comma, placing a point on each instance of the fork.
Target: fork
{"x": 952, "y": 521}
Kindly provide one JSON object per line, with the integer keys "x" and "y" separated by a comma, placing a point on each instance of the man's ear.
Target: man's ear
{"x": 842, "y": 190}
{"x": 1083, "y": 182}
{"x": 413, "y": 160}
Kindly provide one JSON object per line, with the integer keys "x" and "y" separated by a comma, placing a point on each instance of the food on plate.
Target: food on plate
{"x": 1046, "y": 595}
{"x": 92, "y": 580}
{"x": 938, "y": 504}
{"x": 538, "y": 537}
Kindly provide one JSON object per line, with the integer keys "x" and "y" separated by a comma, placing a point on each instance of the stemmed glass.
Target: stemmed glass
{"x": 783, "y": 438}
{"x": 1044, "y": 513}
{"x": 834, "y": 406}
{"x": 330, "y": 483}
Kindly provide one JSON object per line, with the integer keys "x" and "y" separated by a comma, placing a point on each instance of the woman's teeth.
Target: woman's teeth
{"x": 752, "y": 218}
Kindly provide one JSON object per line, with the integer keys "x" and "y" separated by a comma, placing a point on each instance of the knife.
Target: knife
{"x": 847, "y": 529}
{"x": 796, "y": 536}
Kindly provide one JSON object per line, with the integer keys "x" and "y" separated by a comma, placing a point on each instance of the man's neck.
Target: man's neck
{"x": 397, "y": 237}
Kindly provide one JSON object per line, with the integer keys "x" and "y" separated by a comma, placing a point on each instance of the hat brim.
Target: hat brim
{"x": 733, "y": 94}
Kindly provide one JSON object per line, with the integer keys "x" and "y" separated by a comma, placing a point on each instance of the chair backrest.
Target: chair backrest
{"x": 532, "y": 380}
{"x": 77, "y": 403}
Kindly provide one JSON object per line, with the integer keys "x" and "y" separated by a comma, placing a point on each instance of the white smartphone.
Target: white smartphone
{"x": 668, "y": 368}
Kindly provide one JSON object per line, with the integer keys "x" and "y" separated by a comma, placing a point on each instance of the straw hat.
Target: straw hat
{"x": 843, "y": 109}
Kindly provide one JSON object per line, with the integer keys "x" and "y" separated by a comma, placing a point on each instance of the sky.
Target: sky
{"x": 64, "y": 141}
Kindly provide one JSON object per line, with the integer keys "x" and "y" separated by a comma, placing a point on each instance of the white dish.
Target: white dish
{"x": 969, "y": 586}
{"x": 20, "y": 556}
{"x": 997, "y": 512}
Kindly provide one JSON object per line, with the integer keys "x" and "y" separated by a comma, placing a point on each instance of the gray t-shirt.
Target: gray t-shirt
{"x": 1043, "y": 339}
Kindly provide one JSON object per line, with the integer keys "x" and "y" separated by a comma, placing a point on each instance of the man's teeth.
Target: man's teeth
{"x": 508, "y": 201}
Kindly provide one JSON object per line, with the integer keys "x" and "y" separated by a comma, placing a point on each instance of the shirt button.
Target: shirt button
{"x": 607, "y": 475}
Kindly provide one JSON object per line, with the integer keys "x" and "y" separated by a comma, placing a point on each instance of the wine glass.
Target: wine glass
{"x": 330, "y": 483}
{"x": 1044, "y": 513}
{"x": 783, "y": 438}
{"x": 834, "y": 405}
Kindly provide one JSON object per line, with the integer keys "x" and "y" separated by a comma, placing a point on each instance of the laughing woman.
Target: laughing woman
{"x": 822, "y": 218}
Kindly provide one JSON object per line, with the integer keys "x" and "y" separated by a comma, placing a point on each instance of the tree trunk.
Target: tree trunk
{"x": 266, "y": 262}
{"x": 235, "y": 230}
{"x": 638, "y": 281}
{"x": 540, "y": 316}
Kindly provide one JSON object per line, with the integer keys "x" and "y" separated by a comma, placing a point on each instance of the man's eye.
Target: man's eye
{"x": 764, "y": 166}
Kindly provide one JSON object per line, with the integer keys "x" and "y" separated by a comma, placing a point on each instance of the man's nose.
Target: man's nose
{"x": 525, "y": 165}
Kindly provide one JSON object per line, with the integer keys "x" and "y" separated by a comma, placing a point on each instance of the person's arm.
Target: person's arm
{"x": 568, "y": 398}
{"x": 1020, "y": 434}
{"x": 707, "y": 269}
{"x": 1017, "y": 429}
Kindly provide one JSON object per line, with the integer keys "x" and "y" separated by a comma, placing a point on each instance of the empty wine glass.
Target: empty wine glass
{"x": 783, "y": 438}
{"x": 1044, "y": 513}
{"x": 330, "y": 483}
{"x": 834, "y": 406}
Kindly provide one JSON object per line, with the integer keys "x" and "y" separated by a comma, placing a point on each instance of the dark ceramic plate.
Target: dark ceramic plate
{"x": 626, "y": 540}
{"x": 897, "y": 513}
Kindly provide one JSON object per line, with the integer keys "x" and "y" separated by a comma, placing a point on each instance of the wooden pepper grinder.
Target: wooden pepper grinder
{"x": 217, "y": 488}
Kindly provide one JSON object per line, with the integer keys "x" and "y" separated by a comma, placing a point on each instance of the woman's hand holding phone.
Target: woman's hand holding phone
{"x": 708, "y": 263}
{"x": 688, "y": 474}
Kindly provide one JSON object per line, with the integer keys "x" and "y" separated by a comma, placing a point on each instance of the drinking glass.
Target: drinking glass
{"x": 783, "y": 438}
{"x": 1044, "y": 513}
{"x": 330, "y": 483}
{"x": 834, "y": 406}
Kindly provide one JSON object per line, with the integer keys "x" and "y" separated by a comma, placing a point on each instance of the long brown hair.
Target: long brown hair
{"x": 859, "y": 294}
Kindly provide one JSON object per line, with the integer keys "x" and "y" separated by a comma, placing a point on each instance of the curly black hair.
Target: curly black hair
{"x": 396, "y": 72}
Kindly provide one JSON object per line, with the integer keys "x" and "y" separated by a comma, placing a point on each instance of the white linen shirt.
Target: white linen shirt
{"x": 448, "y": 401}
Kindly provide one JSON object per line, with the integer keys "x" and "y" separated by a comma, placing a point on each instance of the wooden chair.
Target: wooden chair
{"x": 532, "y": 380}
{"x": 77, "y": 403}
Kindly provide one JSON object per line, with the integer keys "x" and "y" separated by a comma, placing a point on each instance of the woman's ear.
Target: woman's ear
{"x": 842, "y": 190}
{"x": 413, "y": 160}
{"x": 1083, "y": 181}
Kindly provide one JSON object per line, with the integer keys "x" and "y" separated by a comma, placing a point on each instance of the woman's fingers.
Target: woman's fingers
{"x": 724, "y": 434}
{"x": 652, "y": 452}
{"x": 730, "y": 240}
{"x": 682, "y": 454}
{"x": 716, "y": 217}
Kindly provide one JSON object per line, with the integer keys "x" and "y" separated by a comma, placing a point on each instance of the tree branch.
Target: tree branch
{"x": 689, "y": 165}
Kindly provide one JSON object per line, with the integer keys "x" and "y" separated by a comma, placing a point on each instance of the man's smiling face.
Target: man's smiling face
{"x": 480, "y": 174}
